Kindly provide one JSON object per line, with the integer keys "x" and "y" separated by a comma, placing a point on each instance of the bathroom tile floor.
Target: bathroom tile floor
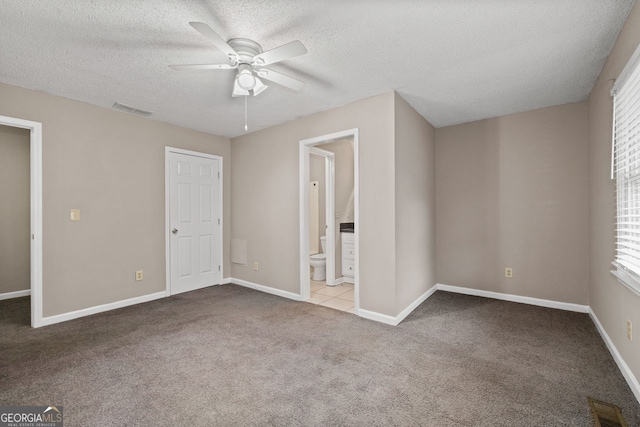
{"x": 338, "y": 297}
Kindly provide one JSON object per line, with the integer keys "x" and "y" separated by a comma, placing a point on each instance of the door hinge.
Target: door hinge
{"x": 218, "y": 175}
{"x": 218, "y": 221}
{"x": 218, "y": 268}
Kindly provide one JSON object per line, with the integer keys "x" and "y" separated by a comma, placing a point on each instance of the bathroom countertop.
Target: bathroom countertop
{"x": 347, "y": 227}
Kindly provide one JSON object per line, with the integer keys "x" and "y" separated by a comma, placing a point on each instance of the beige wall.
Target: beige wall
{"x": 15, "y": 216}
{"x": 110, "y": 165}
{"x": 265, "y": 200}
{"x": 513, "y": 192}
{"x": 612, "y": 303}
{"x": 415, "y": 204}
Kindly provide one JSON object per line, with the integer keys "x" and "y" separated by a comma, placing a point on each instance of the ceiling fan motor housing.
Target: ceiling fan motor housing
{"x": 246, "y": 49}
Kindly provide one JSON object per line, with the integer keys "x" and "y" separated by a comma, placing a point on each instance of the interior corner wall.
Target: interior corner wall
{"x": 415, "y": 200}
{"x": 265, "y": 202}
{"x": 513, "y": 192}
{"x": 15, "y": 211}
{"x": 611, "y": 302}
{"x": 111, "y": 166}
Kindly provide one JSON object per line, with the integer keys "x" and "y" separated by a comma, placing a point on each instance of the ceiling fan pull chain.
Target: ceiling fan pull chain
{"x": 246, "y": 127}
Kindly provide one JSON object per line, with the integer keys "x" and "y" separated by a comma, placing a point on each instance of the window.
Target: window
{"x": 625, "y": 169}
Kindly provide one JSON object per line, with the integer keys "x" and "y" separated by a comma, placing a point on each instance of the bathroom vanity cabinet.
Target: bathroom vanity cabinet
{"x": 348, "y": 257}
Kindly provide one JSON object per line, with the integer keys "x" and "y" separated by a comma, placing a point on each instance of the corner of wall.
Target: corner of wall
{"x": 414, "y": 196}
{"x": 263, "y": 208}
{"x": 611, "y": 303}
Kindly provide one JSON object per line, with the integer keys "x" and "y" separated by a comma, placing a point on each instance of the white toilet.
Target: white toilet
{"x": 319, "y": 262}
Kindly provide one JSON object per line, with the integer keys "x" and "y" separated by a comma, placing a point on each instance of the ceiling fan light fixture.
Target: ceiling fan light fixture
{"x": 246, "y": 79}
{"x": 238, "y": 91}
{"x": 259, "y": 87}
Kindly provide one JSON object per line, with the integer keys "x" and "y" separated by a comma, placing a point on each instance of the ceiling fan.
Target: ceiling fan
{"x": 247, "y": 57}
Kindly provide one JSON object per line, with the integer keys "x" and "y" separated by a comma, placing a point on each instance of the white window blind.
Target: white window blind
{"x": 626, "y": 172}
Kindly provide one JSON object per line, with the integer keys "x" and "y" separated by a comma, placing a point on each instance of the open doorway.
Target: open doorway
{"x": 15, "y": 257}
{"x": 329, "y": 220}
{"x": 21, "y": 215}
{"x": 321, "y": 220}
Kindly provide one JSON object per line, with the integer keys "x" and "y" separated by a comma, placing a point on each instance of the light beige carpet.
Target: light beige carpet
{"x": 228, "y": 356}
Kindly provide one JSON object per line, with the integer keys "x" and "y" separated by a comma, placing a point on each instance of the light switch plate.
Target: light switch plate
{"x": 74, "y": 215}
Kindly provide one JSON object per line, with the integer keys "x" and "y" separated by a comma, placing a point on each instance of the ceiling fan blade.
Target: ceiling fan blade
{"x": 289, "y": 50}
{"x": 259, "y": 87}
{"x": 281, "y": 79}
{"x": 214, "y": 38}
{"x": 202, "y": 67}
{"x": 237, "y": 90}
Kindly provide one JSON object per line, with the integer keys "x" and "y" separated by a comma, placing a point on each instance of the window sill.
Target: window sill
{"x": 627, "y": 280}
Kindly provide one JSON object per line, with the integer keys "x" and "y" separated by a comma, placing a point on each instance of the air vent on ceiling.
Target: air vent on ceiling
{"x": 132, "y": 110}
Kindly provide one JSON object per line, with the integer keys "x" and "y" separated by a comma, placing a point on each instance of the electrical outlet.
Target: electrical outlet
{"x": 255, "y": 266}
{"x": 74, "y": 215}
{"x": 508, "y": 272}
{"x": 629, "y": 330}
{"x": 139, "y": 275}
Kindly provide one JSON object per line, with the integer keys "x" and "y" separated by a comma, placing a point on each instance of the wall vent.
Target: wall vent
{"x": 132, "y": 110}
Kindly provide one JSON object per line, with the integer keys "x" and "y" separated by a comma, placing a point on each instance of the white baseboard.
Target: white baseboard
{"x": 267, "y": 289}
{"x": 515, "y": 298}
{"x": 394, "y": 321}
{"x": 622, "y": 365}
{"x": 422, "y": 298}
{"x": 15, "y": 294}
{"x": 382, "y": 318}
{"x": 50, "y": 320}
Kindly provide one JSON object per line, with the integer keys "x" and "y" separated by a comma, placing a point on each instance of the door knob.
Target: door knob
{"x": 174, "y": 231}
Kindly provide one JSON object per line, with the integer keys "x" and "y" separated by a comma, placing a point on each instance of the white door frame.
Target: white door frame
{"x": 305, "y": 146}
{"x": 35, "y": 167}
{"x": 167, "y": 211}
{"x": 330, "y": 218}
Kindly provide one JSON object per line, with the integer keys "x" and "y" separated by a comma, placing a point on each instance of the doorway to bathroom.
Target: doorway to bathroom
{"x": 321, "y": 219}
{"x": 329, "y": 221}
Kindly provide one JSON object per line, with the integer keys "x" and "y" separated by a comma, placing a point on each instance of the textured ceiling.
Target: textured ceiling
{"x": 454, "y": 61}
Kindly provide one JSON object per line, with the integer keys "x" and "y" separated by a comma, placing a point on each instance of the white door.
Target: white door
{"x": 195, "y": 222}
